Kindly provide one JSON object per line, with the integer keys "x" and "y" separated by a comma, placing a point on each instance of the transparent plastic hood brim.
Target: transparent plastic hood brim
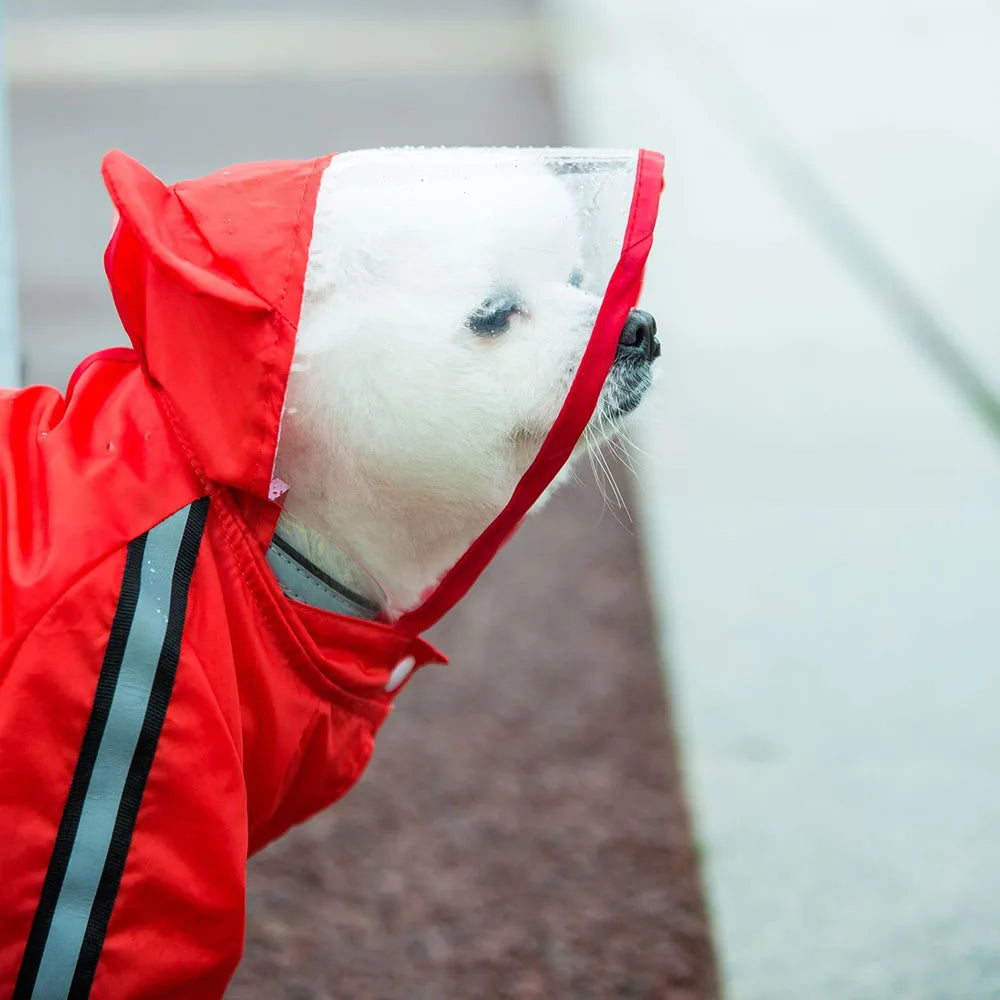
{"x": 455, "y": 260}
{"x": 621, "y": 294}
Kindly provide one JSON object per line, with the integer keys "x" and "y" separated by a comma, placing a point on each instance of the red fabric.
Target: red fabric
{"x": 275, "y": 705}
{"x": 213, "y": 269}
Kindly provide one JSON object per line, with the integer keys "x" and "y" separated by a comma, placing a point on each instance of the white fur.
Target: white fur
{"x": 404, "y": 433}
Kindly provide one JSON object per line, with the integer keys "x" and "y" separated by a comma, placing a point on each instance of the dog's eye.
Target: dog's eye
{"x": 493, "y": 317}
{"x": 576, "y": 278}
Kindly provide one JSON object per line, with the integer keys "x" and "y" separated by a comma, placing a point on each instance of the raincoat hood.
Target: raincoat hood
{"x": 208, "y": 276}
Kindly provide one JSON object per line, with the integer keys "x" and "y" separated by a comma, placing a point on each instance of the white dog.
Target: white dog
{"x": 428, "y": 371}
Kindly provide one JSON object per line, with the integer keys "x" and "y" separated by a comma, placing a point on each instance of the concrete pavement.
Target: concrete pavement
{"x": 821, "y": 511}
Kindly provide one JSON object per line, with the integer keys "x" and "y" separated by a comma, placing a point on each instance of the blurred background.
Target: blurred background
{"x": 742, "y": 737}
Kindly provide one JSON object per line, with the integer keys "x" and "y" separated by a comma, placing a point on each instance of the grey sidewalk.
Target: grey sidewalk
{"x": 822, "y": 511}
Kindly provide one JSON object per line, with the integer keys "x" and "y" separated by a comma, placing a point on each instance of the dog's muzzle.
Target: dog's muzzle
{"x": 638, "y": 340}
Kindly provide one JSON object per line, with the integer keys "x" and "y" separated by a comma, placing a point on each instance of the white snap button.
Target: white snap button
{"x": 400, "y": 672}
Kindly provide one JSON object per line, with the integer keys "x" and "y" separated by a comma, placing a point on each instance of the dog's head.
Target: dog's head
{"x": 443, "y": 322}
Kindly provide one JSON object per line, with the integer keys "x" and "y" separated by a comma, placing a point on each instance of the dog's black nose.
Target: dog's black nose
{"x": 638, "y": 340}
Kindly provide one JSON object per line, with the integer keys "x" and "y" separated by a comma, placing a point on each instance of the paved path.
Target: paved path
{"x": 823, "y": 506}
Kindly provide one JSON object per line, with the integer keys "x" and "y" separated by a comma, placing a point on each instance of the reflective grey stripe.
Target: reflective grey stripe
{"x": 114, "y": 758}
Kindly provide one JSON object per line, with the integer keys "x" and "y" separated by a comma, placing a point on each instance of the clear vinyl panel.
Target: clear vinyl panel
{"x": 450, "y": 295}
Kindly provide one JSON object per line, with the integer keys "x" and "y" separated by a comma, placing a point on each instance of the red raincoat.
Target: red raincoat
{"x": 165, "y": 710}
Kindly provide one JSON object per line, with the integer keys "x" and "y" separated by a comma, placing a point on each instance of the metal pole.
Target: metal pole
{"x": 10, "y": 362}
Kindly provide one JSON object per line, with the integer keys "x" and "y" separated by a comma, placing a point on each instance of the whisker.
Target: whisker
{"x": 619, "y": 449}
{"x": 589, "y": 441}
{"x": 602, "y": 474}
